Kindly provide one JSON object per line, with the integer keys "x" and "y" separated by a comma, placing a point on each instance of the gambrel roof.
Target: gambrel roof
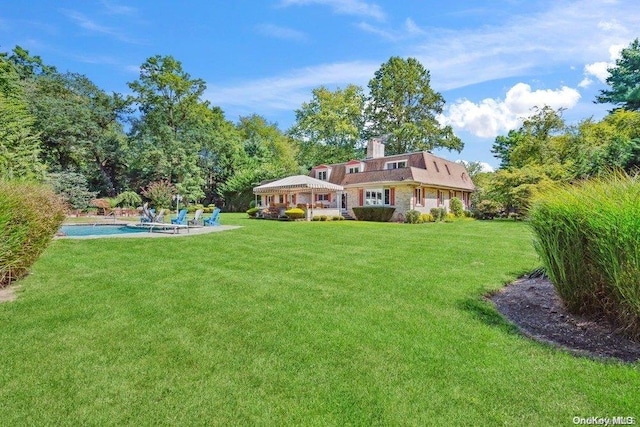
{"x": 421, "y": 168}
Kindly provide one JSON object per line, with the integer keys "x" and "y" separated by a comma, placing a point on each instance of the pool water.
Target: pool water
{"x": 98, "y": 230}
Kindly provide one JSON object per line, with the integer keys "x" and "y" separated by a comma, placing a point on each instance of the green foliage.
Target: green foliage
{"x": 412, "y": 217}
{"x": 456, "y": 207}
{"x": 294, "y": 213}
{"x": 425, "y": 217}
{"x": 30, "y": 215}
{"x": 403, "y": 107}
{"x": 487, "y": 209}
{"x": 160, "y": 194}
{"x": 128, "y": 199}
{"x": 438, "y": 214}
{"x": 252, "y": 212}
{"x": 587, "y": 237}
{"x": 72, "y": 187}
{"x": 374, "y": 213}
{"x": 624, "y": 80}
{"x": 329, "y": 127}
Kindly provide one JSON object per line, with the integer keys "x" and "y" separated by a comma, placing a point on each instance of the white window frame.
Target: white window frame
{"x": 418, "y": 195}
{"x": 397, "y": 164}
{"x": 374, "y": 197}
{"x": 353, "y": 169}
{"x": 324, "y": 197}
{"x": 322, "y": 174}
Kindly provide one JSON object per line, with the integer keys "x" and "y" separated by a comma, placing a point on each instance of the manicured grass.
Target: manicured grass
{"x": 320, "y": 323}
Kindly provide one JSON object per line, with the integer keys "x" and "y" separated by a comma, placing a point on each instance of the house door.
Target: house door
{"x": 344, "y": 201}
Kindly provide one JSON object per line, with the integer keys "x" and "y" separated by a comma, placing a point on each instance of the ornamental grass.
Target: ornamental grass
{"x": 30, "y": 215}
{"x": 588, "y": 237}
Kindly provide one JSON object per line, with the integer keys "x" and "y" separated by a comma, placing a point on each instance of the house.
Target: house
{"x": 419, "y": 181}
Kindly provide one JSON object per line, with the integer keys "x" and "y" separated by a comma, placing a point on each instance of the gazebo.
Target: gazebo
{"x": 301, "y": 189}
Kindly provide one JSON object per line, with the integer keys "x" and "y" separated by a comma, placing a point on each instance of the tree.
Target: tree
{"x": 624, "y": 80}
{"x": 19, "y": 142}
{"x": 170, "y": 132}
{"x": 403, "y": 108}
{"x": 329, "y": 127}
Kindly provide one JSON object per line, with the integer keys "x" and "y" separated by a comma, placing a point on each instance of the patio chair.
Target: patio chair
{"x": 160, "y": 216}
{"x": 197, "y": 219}
{"x": 214, "y": 218}
{"x": 147, "y": 214}
{"x": 181, "y": 219}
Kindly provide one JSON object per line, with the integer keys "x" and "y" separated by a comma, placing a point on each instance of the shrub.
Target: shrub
{"x": 160, "y": 192}
{"x": 439, "y": 214}
{"x": 252, "y": 212}
{"x": 487, "y": 209}
{"x": 412, "y": 217}
{"x": 128, "y": 199}
{"x": 425, "y": 217}
{"x": 323, "y": 217}
{"x": 294, "y": 213}
{"x": 587, "y": 238}
{"x": 315, "y": 218}
{"x": 73, "y": 188}
{"x": 456, "y": 207}
{"x": 337, "y": 218}
{"x": 450, "y": 217}
{"x": 30, "y": 215}
{"x": 374, "y": 213}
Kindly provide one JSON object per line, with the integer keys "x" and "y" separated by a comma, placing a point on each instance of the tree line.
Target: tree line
{"x": 61, "y": 127}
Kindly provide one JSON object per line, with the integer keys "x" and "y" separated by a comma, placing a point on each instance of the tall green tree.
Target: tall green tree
{"x": 19, "y": 141}
{"x": 329, "y": 127}
{"x": 403, "y": 108}
{"x": 624, "y": 80}
{"x": 168, "y": 135}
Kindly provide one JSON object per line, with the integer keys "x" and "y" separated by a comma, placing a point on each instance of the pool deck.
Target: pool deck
{"x": 159, "y": 230}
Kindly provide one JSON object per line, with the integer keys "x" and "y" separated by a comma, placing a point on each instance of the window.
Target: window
{"x": 269, "y": 200}
{"x": 387, "y": 196}
{"x": 323, "y": 197}
{"x": 417, "y": 193}
{"x": 373, "y": 197}
{"x": 440, "y": 198}
{"x": 397, "y": 165}
{"x": 321, "y": 175}
{"x": 354, "y": 169}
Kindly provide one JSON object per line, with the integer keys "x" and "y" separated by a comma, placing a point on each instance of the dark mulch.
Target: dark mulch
{"x": 534, "y": 306}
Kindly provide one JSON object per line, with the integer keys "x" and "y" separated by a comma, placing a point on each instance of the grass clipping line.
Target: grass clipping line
{"x": 588, "y": 237}
{"x": 30, "y": 215}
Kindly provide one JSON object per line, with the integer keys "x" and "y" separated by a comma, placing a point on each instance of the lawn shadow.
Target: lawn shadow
{"x": 482, "y": 309}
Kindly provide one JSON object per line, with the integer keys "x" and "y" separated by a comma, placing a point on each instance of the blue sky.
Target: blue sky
{"x": 491, "y": 60}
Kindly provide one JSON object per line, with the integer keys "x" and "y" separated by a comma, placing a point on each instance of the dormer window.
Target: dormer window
{"x": 396, "y": 165}
{"x": 321, "y": 175}
{"x": 354, "y": 169}
{"x": 354, "y": 166}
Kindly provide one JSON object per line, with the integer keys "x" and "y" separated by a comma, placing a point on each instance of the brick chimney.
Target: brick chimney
{"x": 375, "y": 148}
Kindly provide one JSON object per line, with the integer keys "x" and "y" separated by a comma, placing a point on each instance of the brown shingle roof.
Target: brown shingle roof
{"x": 422, "y": 167}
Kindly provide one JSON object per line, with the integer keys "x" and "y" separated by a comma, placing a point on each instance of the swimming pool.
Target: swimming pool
{"x": 98, "y": 230}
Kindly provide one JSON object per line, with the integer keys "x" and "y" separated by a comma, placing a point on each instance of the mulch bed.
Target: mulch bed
{"x": 534, "y": 306}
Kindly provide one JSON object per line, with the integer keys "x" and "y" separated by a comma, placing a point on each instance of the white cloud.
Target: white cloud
{"x": 484, "y": 166}
{"x": 279, "y": 32}
{"x": 599, "y": 69}
{"x": 117, "y": 9}
{"x": 409, "y": 30}
{"x": 90, "y": 25}
{"x": 289, "y": 91}
{"x": 491, "y": 117}
{"x": 563, "y": 35}
{"x": 344, "y": 7}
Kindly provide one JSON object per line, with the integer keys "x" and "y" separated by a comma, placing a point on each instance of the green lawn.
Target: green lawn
{"x": 337, "y": 323}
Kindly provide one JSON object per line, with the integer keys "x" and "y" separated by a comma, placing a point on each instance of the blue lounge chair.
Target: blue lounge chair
{"x": 214, "y": 219}
{"x": 181, "y": 219}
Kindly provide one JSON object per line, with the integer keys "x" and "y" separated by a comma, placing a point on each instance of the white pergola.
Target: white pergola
{"x": 297, "y": 184}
